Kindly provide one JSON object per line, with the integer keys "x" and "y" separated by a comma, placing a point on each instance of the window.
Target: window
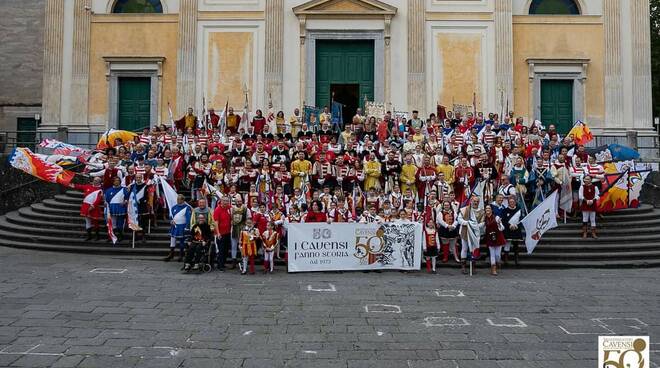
{"x": 137, "y": 6}
{"x": 568, "y": 7}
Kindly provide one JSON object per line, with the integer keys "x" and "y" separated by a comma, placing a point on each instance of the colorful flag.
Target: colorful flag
{"x": 110, "y": 226}
{"x": 540, "y": 220}
{"x": 614, "y": 192}
{"x": 635, "y": 183}
{"x": 169, "y": 110}
{"x": 26, "y": 161}
{"x": 61, "y": 148}
{"x": 581, "y": 133}
{"x": 132, "y": 209}
{"x": 170, "y": 195}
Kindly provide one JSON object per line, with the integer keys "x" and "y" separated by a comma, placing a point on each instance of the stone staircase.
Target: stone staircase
{"x": 628, "y": 238}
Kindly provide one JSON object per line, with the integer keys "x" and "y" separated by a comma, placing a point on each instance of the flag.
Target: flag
{"x": 244, "y": 117}
{"x": 635, "y": 183}
{"x": 26, "y": 161}
{"x": 601, "y": 153}
{"x": 223, "y": 120}
{"x": 169, "y": 110}
{"x": 540, "y": 220}
{"x": 109, "y": 225}
{"x": 614, "y": 192}
{"x": 581, "y": 133}
{"x": 311, "y": 116}
{"x": 132, "y": 208}
{"x": 170, "y": 195}
{"x": 478, "y": 191}
{"x": 270, "y": 119}
{"x": 174, "y": 167}
{"x": 61, "y": 148}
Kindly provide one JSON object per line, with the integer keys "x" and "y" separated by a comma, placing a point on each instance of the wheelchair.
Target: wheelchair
{"x": 198, "y": 257}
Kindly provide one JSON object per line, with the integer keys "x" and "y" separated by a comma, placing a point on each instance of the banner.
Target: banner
{"x": 540, "y": 220}
{"x": 353, "y": 246}
{"x": 28, "y": 162}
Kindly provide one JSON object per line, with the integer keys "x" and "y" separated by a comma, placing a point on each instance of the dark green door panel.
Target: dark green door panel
{"x": 134, "y": 103}
{"x": 344, "y": 62}
{"x": 557, "y": 103}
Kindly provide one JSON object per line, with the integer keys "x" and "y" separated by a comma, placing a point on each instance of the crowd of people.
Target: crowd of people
{"x": 245, "y": 180}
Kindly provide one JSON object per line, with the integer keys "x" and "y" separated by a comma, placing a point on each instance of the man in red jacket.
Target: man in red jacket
{"x": 222, "y": 218}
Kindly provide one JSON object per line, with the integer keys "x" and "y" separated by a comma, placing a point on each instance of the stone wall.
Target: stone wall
{"x": 21, "y": 60}
{"x": 18, "y": 189}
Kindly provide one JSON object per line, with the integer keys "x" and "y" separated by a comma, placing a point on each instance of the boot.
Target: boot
{"x": 180, "y": 255}
{"x": 428, "y": 265}
{"x": 97, "y": 237}
{"x": 584, "y": 231}
{"x": 89, "y": 235}
{"x": 445, "y": 253}
{"x": 266, "y": 266}
{"x": 251, "y": 265}
{"x": 493, "y": 270}
{"x": 169, "y": 256}
{"x": 593, "y": 233}
{"x": 505, "y": 257}
{"x": 464, "y": 270}
{"x": 234, "y": 262}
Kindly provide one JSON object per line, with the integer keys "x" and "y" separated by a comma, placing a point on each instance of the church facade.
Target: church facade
{"x": 121, "y": 63}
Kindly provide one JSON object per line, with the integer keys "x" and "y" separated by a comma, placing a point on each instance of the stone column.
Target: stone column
{"x": 303, "y": 55}
{"x": 641, "y": 63}
{"x": 186, "y": 56}
{"x": 80, "y": 67}
{"x": 416, "y": 56}
{"x": 274, "y": 51}
{"x": 504, "y": 54}
{"x": 52, "y": 78}
{"x": 613, "y": 72}
{"x": 388, "y": 62}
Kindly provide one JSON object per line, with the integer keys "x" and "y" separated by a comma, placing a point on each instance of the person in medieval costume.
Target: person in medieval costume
{"x": 180, "y": 223}
{"x": 471, "y": 219}
{"x": 448, "y": 231}
{"x": 91, "y": 208}
{"x": 589, "y": 196}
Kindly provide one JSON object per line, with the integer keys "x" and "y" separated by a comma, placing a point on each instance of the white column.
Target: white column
{"x": 416, "y": 56}
{"x": 274, "y": 51}
{"x": 613, "y": 73}
{"x": 504, "y": 53}
{"x": 80, "y": 65}
{"x": 641, "y": 64}
{"x": 186, "y": 56}
{"x": 52, "y": 78}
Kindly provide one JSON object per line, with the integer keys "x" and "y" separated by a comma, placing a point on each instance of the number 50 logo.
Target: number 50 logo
{"x": 322, "y": 234}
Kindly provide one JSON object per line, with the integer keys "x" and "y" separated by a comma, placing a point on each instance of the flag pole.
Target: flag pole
{"x": 133, "y": 239}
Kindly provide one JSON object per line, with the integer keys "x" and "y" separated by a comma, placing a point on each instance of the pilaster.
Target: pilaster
{"x": 53, "y": 52}
{"x": 641, "y": 64}
{"x": 186, "y": 56}
{"x": 416, "y": 55}
{"x": 80, "y": 64}
{"x": 613, "y": 72}
{"x": 274, "y": 51}
{"x": 504, "y": 53}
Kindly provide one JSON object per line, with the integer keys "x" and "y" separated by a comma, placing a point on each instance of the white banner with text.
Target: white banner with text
{"x": 353, "y": 246}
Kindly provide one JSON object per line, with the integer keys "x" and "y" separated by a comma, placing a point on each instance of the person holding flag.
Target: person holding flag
{"x": 494, "y": 237}
{"x": 471, "y": 219}
{"x": 180, "y": 224}
{"x": 512, "y": 233}
{"x": 91, "y": 208}
{"x": 115, "y": 198}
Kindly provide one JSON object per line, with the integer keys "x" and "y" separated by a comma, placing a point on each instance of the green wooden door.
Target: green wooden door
{"x": 557, "y": 103}
{"x": 344, "y": 62}
{"x": 26, "y": 133}
{"x": 134, "y": 103}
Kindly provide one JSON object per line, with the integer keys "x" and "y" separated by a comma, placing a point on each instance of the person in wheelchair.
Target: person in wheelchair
{"x": 200, "y": 238}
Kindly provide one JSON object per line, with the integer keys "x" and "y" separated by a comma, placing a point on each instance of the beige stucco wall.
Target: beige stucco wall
{"x": 559, "y": 37}
{"x": 131, "y": 35}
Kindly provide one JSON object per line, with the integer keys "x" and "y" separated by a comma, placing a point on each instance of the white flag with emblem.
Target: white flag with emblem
{"x": 541, "y": 219}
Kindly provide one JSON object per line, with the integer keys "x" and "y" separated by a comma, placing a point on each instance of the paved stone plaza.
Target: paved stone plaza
{"x": 68, "y": 310}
